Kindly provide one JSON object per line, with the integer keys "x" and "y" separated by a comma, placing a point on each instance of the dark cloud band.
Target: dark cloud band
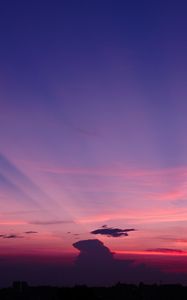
{"x": 112, "y": 232}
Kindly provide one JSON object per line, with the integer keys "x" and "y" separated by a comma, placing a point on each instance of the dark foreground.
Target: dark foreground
{"x": 119, "y": 291}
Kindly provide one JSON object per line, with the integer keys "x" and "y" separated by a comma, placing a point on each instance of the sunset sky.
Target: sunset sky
{"x": 93, "y": 129}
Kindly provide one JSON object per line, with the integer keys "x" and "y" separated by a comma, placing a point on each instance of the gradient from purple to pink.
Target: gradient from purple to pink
{"x": 93, "y": 125}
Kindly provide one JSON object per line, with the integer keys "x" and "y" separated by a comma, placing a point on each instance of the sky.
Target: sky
{"x": 93, "y": 137}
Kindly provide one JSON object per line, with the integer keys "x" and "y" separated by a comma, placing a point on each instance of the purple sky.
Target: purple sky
{"x": 93, "y": 127}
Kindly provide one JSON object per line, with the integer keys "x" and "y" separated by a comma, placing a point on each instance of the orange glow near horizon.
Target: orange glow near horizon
{"x": 149, "y": 253}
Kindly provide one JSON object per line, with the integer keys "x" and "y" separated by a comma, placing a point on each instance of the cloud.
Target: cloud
{"x": 90, "y": 249}
{"x": 166, "y": 250}
{"x": 51, "y": 222}
{"x": 10, "y": 236}
{"x": 96, "y": 265}
{"x": 112, "y": 232}
{"x": 16, "y": 236}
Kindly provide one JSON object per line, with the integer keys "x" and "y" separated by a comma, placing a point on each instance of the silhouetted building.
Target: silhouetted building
{"x": 20, "y": 286}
